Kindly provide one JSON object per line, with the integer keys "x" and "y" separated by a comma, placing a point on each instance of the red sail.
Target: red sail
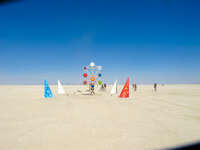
{"x": 125, "y": 90}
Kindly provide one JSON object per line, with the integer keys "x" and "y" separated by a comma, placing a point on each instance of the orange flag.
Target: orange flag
{"x": 125, "y": 90}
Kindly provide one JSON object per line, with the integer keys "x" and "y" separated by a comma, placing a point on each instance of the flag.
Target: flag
{"x": 114, "y": 88}
{"x": 125, "y": 90}
{"x": 47, "y": 90}
{"x": 60, "y": 88}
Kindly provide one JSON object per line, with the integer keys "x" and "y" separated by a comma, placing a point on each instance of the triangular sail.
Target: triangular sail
{"x": 114, "y": 88}
{"x": 47, "y": 91}
{"x": 125, "y": 90}
{"x": 60, "y": 88}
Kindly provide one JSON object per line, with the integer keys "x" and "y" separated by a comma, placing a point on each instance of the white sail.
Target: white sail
{"x": 60, "y": 88}
{"x": 114, "y": 88}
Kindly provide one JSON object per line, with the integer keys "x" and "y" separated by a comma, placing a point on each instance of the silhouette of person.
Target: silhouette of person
{"x": 155, "y": 87}
{"x": 104, "y": 85}
{"x": 135, "y": 87}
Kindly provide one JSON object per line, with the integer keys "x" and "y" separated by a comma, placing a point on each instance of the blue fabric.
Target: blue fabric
{"x": 47, "y": 90}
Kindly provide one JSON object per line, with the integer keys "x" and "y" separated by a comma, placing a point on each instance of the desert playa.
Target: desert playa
{"x": 147, "y": 120}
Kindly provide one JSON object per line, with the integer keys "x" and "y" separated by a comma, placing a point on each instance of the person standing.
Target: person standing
{"x": 155, "y": 87}
{"x": 135, "y": 87}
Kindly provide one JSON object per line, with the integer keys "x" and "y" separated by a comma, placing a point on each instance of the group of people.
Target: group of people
{"x": 154, "y": 87}
{"x": 103, "y": 86}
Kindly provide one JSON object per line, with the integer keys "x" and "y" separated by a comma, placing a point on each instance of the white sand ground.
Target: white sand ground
{"x": 147, "y": 120}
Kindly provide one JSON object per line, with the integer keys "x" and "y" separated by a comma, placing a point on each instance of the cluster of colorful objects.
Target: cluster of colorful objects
{"x": 92, "y": 75}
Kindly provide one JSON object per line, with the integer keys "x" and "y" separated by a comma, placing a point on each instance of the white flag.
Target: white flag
{"x": 60, "y": 88}
{"x": 114, "y": 88}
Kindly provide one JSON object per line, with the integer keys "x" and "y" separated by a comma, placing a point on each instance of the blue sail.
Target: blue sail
{"x": 47, "y": 91}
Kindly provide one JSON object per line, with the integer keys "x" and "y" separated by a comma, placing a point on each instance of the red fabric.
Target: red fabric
{"x": 125, "y": 90}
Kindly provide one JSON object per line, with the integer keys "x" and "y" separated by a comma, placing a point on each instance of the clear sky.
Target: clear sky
{"x": 147, "y": 40}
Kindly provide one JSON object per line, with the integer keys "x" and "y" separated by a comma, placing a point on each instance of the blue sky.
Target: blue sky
{"x": 147, "y": 40}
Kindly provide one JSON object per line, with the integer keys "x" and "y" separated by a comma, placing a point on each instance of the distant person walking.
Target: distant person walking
{"x": 105, "y": 85}
{"x": 102, "y": 87}
{"x": 135, "y": 87}
{"x": 155, "y": 87}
